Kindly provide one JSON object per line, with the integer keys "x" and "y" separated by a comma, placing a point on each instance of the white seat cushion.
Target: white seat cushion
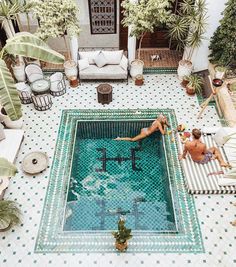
{"x": 100, "y": 60}
{"x": 113, "y": 57}
{"x": 89, "y": 55}
{"x": 83, "y": 63}
{"x": 106, "y": 72}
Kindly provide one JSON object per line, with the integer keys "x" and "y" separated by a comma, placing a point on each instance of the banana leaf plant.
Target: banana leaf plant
{"x": 27, "y": 45}
{"x": 7, "y": 168}
{"x": 10, "y": 215}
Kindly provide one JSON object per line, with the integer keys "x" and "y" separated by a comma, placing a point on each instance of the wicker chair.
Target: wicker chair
{"x": 33, "y": 72}
{"x": 58, "y": 86}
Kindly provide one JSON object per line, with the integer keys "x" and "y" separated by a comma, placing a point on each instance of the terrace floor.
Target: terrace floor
{"x": 159, "y": 91}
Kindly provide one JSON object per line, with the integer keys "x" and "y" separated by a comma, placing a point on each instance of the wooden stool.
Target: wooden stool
{"x": 104, "y": 92}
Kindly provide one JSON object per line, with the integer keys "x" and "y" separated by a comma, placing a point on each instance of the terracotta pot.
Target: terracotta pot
{"x": 74, "y": 82}
{"x": 190, "y": 90}
{"x": 139, "y": 80}
{"x": 184, "y": 83}
{"x": 122, "y": 246}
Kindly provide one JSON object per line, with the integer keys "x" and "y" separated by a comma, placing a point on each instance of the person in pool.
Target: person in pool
{"x": 160, "y": 124}
{"x": 199, "y": 152}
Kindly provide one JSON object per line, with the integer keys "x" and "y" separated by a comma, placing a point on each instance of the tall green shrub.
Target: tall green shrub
{"x": 223, "y": 41}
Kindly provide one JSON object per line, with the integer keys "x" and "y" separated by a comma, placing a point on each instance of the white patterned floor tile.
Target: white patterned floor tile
{"x": 160, "y": 91}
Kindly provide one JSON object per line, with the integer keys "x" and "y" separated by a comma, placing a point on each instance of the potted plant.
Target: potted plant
{"x": 27, "y": 45}
{"x": 56, "y": 19}
{"x": 9, "y": 215}
{"x": 9, "y": 211}
{"x": 144, "y": 16}
{"x": 122, "y": 235}
{"x": 220, "y": 72}
{"x": 187, "y": 29}
{"x": 194, "y": 84}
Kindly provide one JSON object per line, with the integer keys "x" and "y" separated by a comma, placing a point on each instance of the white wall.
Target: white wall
{"x": 200, "y": 56}
{"x": 86, "y": 39}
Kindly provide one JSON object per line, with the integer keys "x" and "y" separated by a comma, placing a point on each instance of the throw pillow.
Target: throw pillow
{"x": 124, "y": 62}
{"x": 83, "y": 64}
{"x": 113, "y": 57}
{"x": 90, "y": 55}
{"x": 100, "y": 60}
{"x": 223, "y": 135}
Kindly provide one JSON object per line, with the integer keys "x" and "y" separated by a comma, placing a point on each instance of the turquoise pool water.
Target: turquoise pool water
{"x": 109, "y": 179}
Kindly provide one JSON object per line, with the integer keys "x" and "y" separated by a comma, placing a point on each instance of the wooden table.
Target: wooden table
{"x": 104, "y": 92}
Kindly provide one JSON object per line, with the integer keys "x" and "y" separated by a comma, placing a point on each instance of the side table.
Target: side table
{"x": 41, "y": 86}
{"x": 104, "y": 92}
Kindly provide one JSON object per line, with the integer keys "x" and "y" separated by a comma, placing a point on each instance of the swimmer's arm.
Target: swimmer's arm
{"x": 159, "y": 126}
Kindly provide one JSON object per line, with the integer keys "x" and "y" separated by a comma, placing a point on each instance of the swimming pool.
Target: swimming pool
{"x": 110, "y": 178}
{"x": 95, "y": 179}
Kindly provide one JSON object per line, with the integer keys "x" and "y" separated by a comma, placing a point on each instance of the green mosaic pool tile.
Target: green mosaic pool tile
{"x": 145, "y": 189}
{"x": 156, "y": 70}
{"x": 51, "y": 238}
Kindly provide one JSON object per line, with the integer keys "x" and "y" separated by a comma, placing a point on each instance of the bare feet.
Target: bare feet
{"x": 117, "y": 138}
{"x": 224, "y": 164}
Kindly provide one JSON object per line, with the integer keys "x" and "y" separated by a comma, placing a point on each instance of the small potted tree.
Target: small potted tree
{"x": 144, "y": 16}
{"x": 122, "y": 235}
{"x": 194, "y": 84}
{"x": 59, "y": 18}
{"x": 187, "y": 29}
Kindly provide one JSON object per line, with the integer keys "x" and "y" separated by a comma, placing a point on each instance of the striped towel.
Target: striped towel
{"x": 205, "y": 178}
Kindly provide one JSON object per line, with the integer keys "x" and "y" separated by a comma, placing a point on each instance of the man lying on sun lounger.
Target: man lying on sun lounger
{"x": 199, "y": 152}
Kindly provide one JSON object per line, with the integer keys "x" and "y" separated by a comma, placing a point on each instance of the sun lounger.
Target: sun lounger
{"x": 205, "y": 178}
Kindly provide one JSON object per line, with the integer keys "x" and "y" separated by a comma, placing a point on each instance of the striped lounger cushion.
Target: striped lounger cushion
{"x": 197, "y": 176}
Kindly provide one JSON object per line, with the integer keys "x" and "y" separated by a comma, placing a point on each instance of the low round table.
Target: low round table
{"x": 104, "y": 92}
{"x": 41, "y": 86}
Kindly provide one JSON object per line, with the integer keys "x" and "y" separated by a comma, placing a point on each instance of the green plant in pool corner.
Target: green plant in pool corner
{"x": 9, "y": 212}
{"x": 122, "y": 235}
{"x": 26, "y": 45}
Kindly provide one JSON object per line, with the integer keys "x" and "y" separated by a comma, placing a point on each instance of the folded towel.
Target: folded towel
{"x": 229, "y": 178}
